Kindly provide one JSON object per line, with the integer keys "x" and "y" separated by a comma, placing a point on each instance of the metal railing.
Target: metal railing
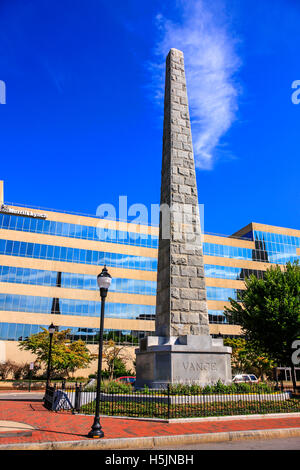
{"x": 167, "y": 403}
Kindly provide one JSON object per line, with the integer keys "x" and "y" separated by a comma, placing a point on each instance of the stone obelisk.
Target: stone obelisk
{"x": 182, "y": 350}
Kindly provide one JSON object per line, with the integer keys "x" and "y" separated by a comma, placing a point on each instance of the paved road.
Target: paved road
{"x": 291, "y": 443}
{"x": 22, "y": 396}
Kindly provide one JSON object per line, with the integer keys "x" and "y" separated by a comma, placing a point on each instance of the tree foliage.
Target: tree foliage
{"x": 114, "y": 356}
{"x": 268, "y": 311}
{"x": 66, "y": 356}
{"x": 246, "y": 358}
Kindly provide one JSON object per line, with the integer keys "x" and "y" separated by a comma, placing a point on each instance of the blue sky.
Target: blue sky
{"x": 82, "y": 123}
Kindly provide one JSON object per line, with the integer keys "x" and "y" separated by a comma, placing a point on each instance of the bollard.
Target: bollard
{"x": 77, "y": 404}
{"x": 168, "y": 401}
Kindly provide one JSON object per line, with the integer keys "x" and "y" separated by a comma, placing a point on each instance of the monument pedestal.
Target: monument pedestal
{"x": 188, "y": 359}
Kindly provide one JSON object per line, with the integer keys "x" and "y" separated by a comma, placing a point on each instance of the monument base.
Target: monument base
{"x": 188, "y": 359}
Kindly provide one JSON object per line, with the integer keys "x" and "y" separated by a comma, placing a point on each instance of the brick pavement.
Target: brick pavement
{"x": 61, "y": 427}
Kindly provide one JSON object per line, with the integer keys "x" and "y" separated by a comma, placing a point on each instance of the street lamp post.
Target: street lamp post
{"x": 103, "y": 280}
{"x": 51, "y": 330}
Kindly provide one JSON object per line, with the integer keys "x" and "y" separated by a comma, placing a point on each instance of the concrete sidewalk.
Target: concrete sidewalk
{"x": 28, "y": 425}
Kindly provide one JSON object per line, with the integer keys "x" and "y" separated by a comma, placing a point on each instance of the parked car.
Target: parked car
{"x": 249, "y": 378}
{"x": 128, "y": 379}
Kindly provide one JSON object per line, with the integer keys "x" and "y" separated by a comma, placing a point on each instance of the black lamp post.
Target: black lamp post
{"x": 51, "y": 330}
{"x": 103, "y": 280}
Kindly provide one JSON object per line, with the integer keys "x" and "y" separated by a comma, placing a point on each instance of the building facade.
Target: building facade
{"x": 49, "y": 262}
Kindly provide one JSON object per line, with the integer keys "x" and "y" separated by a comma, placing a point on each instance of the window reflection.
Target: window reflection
{"x": 76, "y": 255}
{"x": 27, "y": 224}
{"x": 264, "y": 252}
{"x": 229, "y": 272}
{"x": 20, "y": 331}
{"x": 36, "y": 304}
{"x": 216, "y": 316}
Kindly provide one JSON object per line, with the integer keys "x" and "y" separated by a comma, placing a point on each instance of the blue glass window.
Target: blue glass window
{"x": 64, "y": 229}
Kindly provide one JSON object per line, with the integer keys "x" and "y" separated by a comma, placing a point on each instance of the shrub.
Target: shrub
{"x": 179, "y": 389}
{"x": 145, "y": 389}
{"x": 220, "y": 387}
{"x": 243, "y": 387}
{"x": 27, "y": 373}
{"x": 112, "y": 386}
{"x": 5, "y": 369}
{"x": 21, "y": 371}
{"x": 207, "y": 390}
{"x": 264, "y": 387}
{"x": 25, "y": 385}
{"x": 116, "y": 387}
{"x": 76, "y": 379}
{"x": 196, "y": 389}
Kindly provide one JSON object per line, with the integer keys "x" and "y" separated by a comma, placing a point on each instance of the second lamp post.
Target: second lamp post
{"x": 103, "y": 280}
{"x": 51, "y": 330}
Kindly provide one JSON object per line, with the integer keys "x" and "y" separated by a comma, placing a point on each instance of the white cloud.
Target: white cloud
{"x": 211, "y": 63}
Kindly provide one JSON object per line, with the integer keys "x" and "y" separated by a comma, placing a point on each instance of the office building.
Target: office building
{"x": 49, "y": 262}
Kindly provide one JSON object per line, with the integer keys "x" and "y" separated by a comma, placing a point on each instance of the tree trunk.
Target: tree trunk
{"x": 293, "y": 377}
{"x": 111, "y": 371}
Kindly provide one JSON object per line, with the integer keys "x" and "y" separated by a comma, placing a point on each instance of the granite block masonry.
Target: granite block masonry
{"x": 182, "y": 349}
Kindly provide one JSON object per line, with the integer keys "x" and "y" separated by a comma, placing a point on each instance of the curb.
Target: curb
{"x": 234, "y": 417}
{"x": 203, "y": 419}
{"x": 156, "y": 442}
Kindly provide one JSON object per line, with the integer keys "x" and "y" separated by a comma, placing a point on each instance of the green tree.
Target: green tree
{"x": 66, "y": 356}
{"x": 114, "y": 357}
{"x": 246, "y": 358}
{"x": 268, "y": 311}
